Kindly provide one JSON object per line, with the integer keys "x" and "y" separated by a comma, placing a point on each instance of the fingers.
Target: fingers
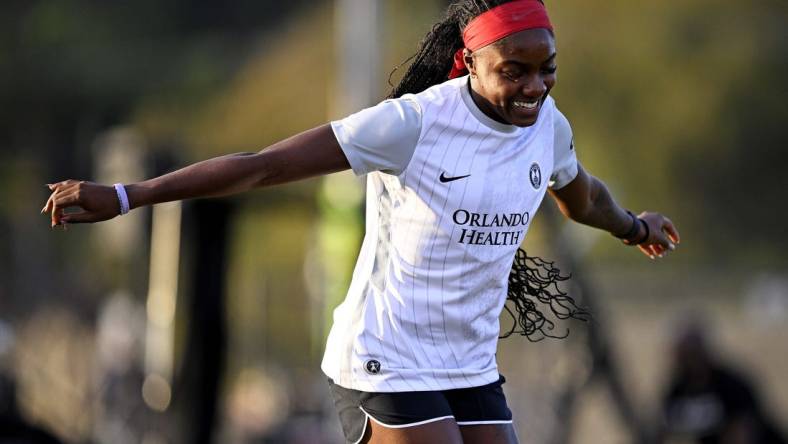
{"x": 663, "y": 235}
{"x": 64, "y": 194}
{"x": 48, "y": 204}
{"x": 659, "y": 244}
{"x": 671, "y": 231}
{"x": 64, "y": 200}
{"x": 53, "y": 187}
{"x": 57, "y": 213}
{"x": 94, "y": 202}
{"x": 653, "y": 251}
{"x": 666, "y": 236}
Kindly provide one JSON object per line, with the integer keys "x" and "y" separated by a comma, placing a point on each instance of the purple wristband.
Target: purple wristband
{"x": 123, "y": 198}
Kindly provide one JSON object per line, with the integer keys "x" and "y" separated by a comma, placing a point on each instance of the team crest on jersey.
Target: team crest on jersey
{"x": 536, "y": 175}
{"x": 372, "y": 367}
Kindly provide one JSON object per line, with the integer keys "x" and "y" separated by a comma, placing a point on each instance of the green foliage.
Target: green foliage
{"x": 679, "y": 106}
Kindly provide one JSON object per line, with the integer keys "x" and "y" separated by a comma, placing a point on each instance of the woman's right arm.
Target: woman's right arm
{"x": 312, "y": 153}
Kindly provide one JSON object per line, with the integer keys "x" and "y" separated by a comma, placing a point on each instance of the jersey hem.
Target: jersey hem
{"x": 468, "y": 423}
{"x": 420, "y": 382}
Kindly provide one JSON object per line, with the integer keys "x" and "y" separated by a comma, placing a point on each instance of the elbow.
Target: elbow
{"x": 268, "y": 169}
{"x": 576, "y": 206}
{"x": 585, "y": 207}
{"x": 264, "y": 174}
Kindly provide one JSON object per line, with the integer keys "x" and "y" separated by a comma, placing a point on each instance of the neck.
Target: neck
{"x": 483, "y": 104}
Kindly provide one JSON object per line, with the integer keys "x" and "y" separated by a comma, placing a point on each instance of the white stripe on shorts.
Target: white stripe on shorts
{"x": 466, "y": 423}
{"x": 363, "y": 430}
{"x": 403, "y": 426}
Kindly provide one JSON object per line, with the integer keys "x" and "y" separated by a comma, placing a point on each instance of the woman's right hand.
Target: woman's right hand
{"x": 95, "y": 202}
{"x": 312, "y": 153}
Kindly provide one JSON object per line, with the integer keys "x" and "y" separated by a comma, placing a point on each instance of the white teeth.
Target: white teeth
{"x": 527, "y": 105}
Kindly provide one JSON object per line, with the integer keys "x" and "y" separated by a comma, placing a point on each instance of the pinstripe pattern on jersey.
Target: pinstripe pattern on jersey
{"x": 426, "y": 296}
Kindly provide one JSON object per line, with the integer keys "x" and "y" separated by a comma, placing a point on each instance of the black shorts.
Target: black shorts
{"x": 467, "y": 406}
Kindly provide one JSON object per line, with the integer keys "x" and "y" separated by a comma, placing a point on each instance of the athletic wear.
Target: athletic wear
{"x": 384, "y": 137}
{"x": 450, "y": 196}
{"x": 468, "y": 406}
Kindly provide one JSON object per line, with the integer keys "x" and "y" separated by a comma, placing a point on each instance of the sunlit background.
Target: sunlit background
{"x": 205, "y": 321}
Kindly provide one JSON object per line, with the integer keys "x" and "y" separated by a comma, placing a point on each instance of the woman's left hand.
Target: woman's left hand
{"x": 662, "y": 235}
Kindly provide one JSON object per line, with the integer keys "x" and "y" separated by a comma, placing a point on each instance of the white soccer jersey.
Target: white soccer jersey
{"x": 450, "y": 196}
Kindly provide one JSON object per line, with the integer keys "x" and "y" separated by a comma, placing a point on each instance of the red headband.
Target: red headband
{"x": 497, "y": 23}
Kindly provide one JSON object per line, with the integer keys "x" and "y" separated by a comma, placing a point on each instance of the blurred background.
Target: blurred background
{"x": 205, "y": 321}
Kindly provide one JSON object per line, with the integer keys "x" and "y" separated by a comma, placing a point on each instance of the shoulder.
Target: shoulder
{"x": 382, "y": 137}
{"x": 392, "y": 118}
{"x": 565, "y": 165}
{"x": 402, "y": 109}
{"x": 442, "y": 92}
{"x": 563, "y": 130}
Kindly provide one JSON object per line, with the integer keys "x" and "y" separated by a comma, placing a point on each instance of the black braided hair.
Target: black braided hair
{"x": 434, "y": 59}
{"x": 533, "y": 280}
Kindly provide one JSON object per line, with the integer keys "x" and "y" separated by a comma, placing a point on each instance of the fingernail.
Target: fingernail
{"x": 652, "y": 257}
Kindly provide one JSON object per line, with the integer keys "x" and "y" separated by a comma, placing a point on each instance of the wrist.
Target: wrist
{"x": 123, "y": 198}
{"x": 642, "y": 235}
{"x": 633, "y": 231}
{"x": 638, "y": 231}
{"x": 136, "y": 196}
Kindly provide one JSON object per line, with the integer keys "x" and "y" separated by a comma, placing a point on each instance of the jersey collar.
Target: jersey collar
{"x": 465, "y": 92}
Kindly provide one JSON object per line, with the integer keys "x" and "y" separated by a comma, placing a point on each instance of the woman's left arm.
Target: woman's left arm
{"x": 587, "y": 200}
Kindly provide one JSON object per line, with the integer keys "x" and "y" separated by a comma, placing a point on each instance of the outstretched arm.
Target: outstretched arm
{"x": 312, "y": 153}
{"x": 587, "y": 200}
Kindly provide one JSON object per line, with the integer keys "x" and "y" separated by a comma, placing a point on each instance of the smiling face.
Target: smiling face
{"x": 511, "y": 78}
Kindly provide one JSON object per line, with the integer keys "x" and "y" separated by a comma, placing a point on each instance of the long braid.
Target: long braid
{"x": 433, "y": 61}
{"x": 533, "y": 281}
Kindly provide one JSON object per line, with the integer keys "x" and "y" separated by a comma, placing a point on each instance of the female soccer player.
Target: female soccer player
{"x": 457, "y": 163}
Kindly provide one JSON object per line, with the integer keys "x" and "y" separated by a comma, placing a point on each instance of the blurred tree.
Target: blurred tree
{"x": 679, "y": 106}
{"x": 70, "y": 68}
{"x": 738, "y": 169}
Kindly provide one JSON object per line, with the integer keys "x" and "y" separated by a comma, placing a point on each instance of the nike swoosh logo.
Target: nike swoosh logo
{"x": 445, "y": 179}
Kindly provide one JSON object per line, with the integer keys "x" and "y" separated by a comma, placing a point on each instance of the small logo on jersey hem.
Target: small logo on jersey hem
{"x": 536, "y": 175}
{"x": 372, "y": 367}
{"x": 445, "y": 179}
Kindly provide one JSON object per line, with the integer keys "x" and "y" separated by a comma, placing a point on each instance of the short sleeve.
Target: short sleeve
{"x": 564, "y": 157}
{"x": 380, "y": 138}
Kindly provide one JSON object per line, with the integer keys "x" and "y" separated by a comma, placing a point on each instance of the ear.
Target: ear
{"x": 467, "y": 57}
